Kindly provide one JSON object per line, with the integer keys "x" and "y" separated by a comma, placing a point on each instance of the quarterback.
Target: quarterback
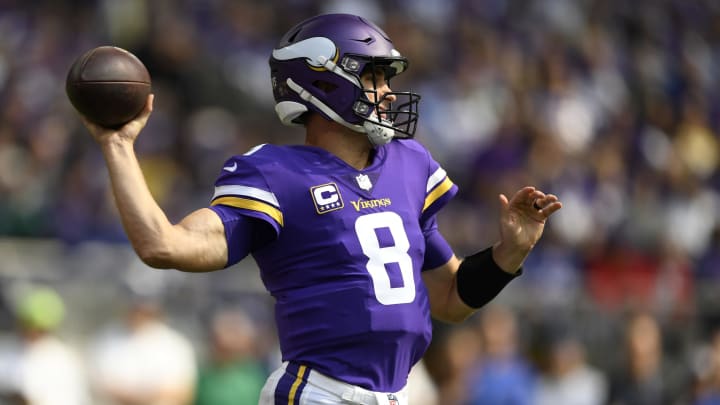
{"x": 342, "y": 226}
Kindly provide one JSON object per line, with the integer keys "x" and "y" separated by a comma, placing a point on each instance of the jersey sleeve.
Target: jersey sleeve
{"x": 437, "y": 250}
{"x": 439, "y": 190}
{"x": 241, "y": 190}
{"x": 245, "y": 189}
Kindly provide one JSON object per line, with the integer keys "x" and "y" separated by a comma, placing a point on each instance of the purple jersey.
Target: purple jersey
{"x": 345, "y": 267}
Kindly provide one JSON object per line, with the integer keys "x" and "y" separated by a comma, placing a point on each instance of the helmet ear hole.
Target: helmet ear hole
{"x": 326, "y": 87}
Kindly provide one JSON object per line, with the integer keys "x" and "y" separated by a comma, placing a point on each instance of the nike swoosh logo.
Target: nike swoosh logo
{"x": 231, "y": 168}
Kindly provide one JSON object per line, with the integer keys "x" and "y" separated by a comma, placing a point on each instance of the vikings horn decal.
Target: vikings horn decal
{"x": 316, "y": 51}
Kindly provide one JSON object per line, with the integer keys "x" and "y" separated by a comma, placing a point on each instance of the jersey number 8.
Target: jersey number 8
{"x": 378, "y": 257}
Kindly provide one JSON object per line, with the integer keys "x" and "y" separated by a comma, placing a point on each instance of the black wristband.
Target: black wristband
{"x": 480, "y": 279}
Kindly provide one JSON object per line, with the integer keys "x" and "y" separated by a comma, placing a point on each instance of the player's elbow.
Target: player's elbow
{"x": 171, "y": 256}
{"x": 155, "y": 256}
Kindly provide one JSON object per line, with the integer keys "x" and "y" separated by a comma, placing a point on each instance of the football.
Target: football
{"x": 108, "y": 85}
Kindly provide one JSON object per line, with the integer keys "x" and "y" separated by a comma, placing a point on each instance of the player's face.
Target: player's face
{"x": 377, "y": 88}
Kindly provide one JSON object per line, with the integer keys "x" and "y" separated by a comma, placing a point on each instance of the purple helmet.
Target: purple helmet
{"x": 317, "y": 67}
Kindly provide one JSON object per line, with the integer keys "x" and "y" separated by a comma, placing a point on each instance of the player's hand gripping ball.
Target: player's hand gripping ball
{"x": 108, "y": 85}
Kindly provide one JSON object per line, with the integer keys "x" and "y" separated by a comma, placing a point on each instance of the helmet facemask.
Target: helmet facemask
{"x": 396, "y": 119}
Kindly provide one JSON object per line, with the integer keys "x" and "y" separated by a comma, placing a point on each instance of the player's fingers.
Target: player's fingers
{"x": 547, "y": 207}
{"x": 550, "y": 198}
{"x": 138, "y": 123}
{"x": 150, "y": 102}
{"x": 538, "y": 202}
{"x": 525, "y": 196}
{"x": 147, "y": 110}
{"x": 550, "y": 209}
{"x": 525, "y": 192}
{"x": 504, "y": 204}
{"x": 542, "y": 200}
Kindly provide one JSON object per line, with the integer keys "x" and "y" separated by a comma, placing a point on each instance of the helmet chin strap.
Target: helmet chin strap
{"x": 377, "y": 134}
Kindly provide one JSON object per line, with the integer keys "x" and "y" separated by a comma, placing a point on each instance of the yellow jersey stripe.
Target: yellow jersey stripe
{"x": 296, "y": 384}
{"x": 253, "y": 205}
{"x": 438, "y": 192}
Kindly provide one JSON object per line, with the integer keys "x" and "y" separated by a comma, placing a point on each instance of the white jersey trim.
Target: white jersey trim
{"x": 435, "y": 179}
{"x": 246, "y": 191}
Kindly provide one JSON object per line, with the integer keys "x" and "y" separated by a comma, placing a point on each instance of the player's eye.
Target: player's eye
{"x": 377, "y": 79}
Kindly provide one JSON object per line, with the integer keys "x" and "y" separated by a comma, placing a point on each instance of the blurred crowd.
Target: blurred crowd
{"x": 613, "y": 105}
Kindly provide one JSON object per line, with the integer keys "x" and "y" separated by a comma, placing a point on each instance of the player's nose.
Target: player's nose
{"x": 386, "y": 94}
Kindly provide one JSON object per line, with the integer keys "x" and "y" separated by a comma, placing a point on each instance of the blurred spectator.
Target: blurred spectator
{"x": 143, "y": 360}
{"x": 620, "y": 277}
{"x": 569, "y": 378}
{"x": 707, "y": 372}
{"x": 38, "y": 368}
{"x": 449, "y": 359}
{"x": 503, "y": 375}
{"x": 645, "y": 375}
{"x": 232, "y": 374}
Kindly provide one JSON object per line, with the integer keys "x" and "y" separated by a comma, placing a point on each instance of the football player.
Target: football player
{"x": 342, "y": 227}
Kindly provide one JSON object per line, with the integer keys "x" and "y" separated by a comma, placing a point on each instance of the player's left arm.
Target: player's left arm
{"x": 445, "y": 303}
{"x": 458, "y": 288}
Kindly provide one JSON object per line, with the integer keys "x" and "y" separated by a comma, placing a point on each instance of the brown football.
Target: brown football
{"x": 108, "y": 85}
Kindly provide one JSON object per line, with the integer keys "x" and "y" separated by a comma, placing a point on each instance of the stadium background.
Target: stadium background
{"x": 612, "y": 105}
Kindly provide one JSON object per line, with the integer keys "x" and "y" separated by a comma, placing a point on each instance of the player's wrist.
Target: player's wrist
{"x": 480, "y": 278}
{"x": 113, "y": 144}
{"x": 509, "y": 258}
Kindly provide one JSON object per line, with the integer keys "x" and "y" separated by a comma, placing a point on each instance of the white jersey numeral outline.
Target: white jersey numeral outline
{"x": 378, "y": 257}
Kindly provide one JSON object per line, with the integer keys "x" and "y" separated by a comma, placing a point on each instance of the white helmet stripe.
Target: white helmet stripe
{"x": 377, "y": 134}
{"x": 315, "y": 50}
{"x": 305, "y": 95}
